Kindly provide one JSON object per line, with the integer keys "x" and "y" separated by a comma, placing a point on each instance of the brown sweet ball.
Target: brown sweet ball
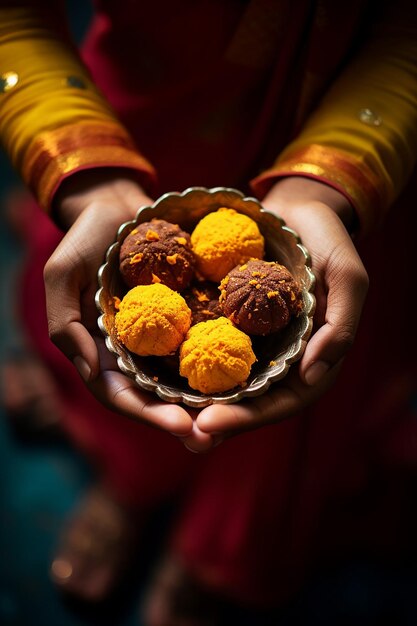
{"x": 157, "y": 252}
{"x": 260, "y": 297}
{"x": 203, "y": 300}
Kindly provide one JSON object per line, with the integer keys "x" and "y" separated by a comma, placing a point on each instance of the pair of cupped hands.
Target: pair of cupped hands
{"x": 91, "y": 205}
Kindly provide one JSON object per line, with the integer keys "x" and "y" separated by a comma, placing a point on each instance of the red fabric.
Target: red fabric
{"x": 259, "y": 508}
{"x": 256, "y": 510}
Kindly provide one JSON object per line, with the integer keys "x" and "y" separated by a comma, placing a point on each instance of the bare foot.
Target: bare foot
{"x": 96, "y": 548}
{"x": 175, "y": 598}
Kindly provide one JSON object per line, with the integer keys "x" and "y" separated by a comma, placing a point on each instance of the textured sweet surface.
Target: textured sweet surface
{"x": 223, "y": 239}
{"x": 260, "y": 297}
{"x": 274, "y": 353}
{"x": 152, "y": 320}
{"x": 203, "y": 300}
{"x": 157, "y": 251}
{"x": 216, "y": 356}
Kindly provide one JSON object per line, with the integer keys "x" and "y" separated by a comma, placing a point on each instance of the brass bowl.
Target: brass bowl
{"x": 275, "y": 353}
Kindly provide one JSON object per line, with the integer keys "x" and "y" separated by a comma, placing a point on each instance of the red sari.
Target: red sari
{"x": 255, "y": 511}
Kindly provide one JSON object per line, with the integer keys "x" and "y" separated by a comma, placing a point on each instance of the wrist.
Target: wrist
{"x": 293, "y": 191}
{"x": 117, "y": 189}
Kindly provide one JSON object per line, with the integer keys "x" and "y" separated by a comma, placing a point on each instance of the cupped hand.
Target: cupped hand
{"x": 92, "y": 205}
{"x": 322, "y": 217}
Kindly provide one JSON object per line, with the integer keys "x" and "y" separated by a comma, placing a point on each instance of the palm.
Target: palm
{"x": 340, "y": 292}
{"x": 71, "y": 283}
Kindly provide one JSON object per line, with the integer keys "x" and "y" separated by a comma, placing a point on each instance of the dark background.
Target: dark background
{"x": 40, "y": 482}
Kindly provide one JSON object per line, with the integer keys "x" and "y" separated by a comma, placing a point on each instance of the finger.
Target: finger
{"x": 342, "y": 285}
{"x": 236, "y": 418}
{"x": 280, "y": 402}
{"x": 198, "y": 441}
{"x": 64, "y": 319}
{"x": 121, "y": 394}
{"x": 347, "y": 288}
{"x": 70, "y": 276}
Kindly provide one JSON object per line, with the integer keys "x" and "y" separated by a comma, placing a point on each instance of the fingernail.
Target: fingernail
{"x": 315, "y": 372}
{"x": 83, "y": 368}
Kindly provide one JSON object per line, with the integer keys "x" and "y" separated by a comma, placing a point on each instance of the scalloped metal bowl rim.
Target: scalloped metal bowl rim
{"x": 264, "y": 380}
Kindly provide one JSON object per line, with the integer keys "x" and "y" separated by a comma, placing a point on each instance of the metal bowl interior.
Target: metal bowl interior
{"x": 275, "y": 353}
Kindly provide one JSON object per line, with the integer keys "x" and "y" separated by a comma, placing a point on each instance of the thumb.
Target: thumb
{"x": 347, "y": 286}
{"x": 63, "y": 308}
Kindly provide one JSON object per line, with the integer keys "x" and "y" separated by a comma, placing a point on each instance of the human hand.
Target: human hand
{"x": 321, "y": 216}
{"x": 92, "y": 205}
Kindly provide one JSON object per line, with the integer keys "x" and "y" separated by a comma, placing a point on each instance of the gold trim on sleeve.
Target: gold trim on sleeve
{"x": 350, "y": 175}
{"x": 56, "y": 153}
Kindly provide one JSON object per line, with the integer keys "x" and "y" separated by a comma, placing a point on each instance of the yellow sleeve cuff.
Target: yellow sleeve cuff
{"x": 362, "y": 138}
{"x": 53, "y": 120}
{"x": 338, "y": 169}
{"x": 55, "y": 154}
